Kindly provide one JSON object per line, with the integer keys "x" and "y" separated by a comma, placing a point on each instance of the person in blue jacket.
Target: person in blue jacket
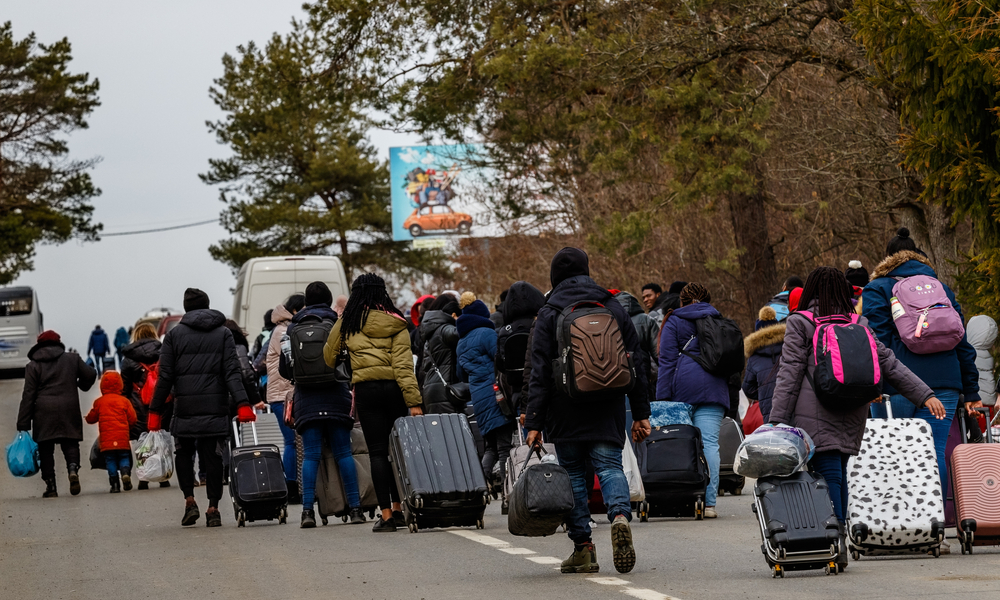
{"x": 99, "y": 346}
{"x": 682, "y": 379}
{"x": 477, "y": 348}
{"x": 950, "y": 374}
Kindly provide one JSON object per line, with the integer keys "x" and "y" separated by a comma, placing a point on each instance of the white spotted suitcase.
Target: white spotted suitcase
{"x": 895, "y": 505}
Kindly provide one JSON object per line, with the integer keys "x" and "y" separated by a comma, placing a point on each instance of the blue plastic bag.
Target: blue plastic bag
{"x": 22, "y": 455}
{"x": 669, "y": 413}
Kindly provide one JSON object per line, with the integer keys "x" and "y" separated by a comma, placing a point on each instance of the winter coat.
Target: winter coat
{"x": 477, "y": 349}
{"x": 440, "y": 336}
{"x": 780, "y": 305}
{"x": 319, "y": 402}
{"x": 381, "y": 352}
{"x": 982, "y": 334}
{"x": 198, "y": 363}
{"x": 664, "y": 304}
{"x": 954, "y": 369}
{"x": 563, "y": 418}
{"x": 136, "y": 355}
{"x": 278, "y": 388}
{"x": 518, "y": 313}
{"x": 647, "y": 330}
{"x": 795, "y": 403}
{"x": 114, "y": 413}
{"x": 121, "y": 339}
{"x": 98, "y": 344}
{"x": 763, "y": 351}
{"x": 50, "y": 402}
{"x": 681, "y": 378}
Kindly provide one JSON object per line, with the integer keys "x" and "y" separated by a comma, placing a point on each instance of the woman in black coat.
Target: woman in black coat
{"x": 50, "y": 406}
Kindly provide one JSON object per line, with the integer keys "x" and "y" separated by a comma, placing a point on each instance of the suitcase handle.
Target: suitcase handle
{"x": 236, "y": 432}
{"x": 886, "y": 403}
{"x": 965, "y": 430}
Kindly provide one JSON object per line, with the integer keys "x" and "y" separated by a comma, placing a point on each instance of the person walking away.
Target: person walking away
{"x": 951, "y": 372}
{"x": 519, "y": 309}
{"x": 436, "y": 369}
{"x": 321, "y": 411}
{"x": 249, "y": 378}
{"x": 857, "y": 276}
{"x": 477, "y": 350}
{"x": 99, "y": 347}
{"x": 121, "y": 340}
{"x": 781, "y": 301}
{"x": 280, "y": 389}
{"x": 836, "y": 434}
{"x": 114, "y": 415}
{"x": 586, "y": 428}
{"x": 683, "y": 379}
{"x": 50, "y": 406}
{"x": 647, "y": 330}
{"x": 421, "y": 306}
{"x": 497, "y": 316}
{"x": 199, "y": 365}
{"x": 385, "y": 388}
{"x": 140, "y": 358}
{"x": 762, "y": 349}
{"x": 982, "y": 334}
{"x": 262, "y": 339}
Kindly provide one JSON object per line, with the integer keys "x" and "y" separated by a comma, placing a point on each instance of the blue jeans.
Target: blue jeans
{"x": 708, "y": 418}
{"x": 832, "y": 465}
{"x": 607, "y": 460}
{"x": 904, "y": 409}
{"x": 117, "y": 460}
{"x": 289, "y": 458}
{"x": 339, "y": 439}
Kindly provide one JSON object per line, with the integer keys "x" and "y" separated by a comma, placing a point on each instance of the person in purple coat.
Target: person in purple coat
{"x": 682, "y": 379}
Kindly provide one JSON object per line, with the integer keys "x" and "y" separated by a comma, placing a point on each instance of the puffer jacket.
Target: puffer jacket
{"x": 278, "y": 388}
{"x": 954, "y": 369}
{"x": 319, "y": 402}
{"x": 647, "y": 330}
{"x": 137, "y": 354}
{"x": 982, "y": 334}
{"x": 476, "y": 351}
{"x": 681, "y": 378}
{"x": 114, "y": 414}
{"x": 519, "y": 311}
{"x": 763, "y": 352}
{"x": 198, "y": 363}
{"x": 440, "y": 336}
{"x": 50, "y": 402}
{"x": 795, "y": 403}
{"x": 381, "y": 352}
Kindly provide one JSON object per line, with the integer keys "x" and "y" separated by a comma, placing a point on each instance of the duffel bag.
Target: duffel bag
{"x": 541, "y": 500}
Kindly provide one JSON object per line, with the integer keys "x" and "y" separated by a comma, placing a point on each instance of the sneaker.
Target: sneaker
{"x": 74, "y": 479}
{"x": 308, "y": 519}
{"x": 358, "y": 517}
{"x": 143, "y": 485}
{"x": 711, "y": 513}
{"x": 383, "y": 526}
{"x": 399, "y": 518}
{"x": 583, "y": 560}
{"x": 126, "y": 481}
{"x": 213, "y": 518}
{"x": 621, "y": 544}
{"x": 191, "y": 512}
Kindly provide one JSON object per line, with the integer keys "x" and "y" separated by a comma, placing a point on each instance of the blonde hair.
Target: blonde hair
{"x": 144, "y": 331}
{"x": 466, "y": 299}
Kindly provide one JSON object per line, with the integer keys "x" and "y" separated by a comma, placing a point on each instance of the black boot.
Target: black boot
{"x": 294, "y": 497}
{"x": 143, "y": 485}
{"x": 126, "y": 479}
{"x": 116, "y": 487}
{"x": 74, "y": 478}
{"x": 308, "y": 519}
{"x": 50, "y": 489}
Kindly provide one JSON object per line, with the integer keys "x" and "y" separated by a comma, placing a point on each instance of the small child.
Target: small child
{"x": 115, "y": 415}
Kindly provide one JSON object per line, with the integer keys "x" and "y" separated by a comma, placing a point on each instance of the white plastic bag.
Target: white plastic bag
{"x": 773, "y": 451}
{"x": 154, "y": 456}
{"x": 636, "y": 491}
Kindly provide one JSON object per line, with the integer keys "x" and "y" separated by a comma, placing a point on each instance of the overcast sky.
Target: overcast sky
{"x": 155, "y": 62}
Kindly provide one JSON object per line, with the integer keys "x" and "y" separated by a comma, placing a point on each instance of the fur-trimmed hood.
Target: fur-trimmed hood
{"x": 768, "y": 336}
{"x": 893, "y": 262}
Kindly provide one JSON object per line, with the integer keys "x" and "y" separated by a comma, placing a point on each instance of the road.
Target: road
{"x": 131, "y": 545}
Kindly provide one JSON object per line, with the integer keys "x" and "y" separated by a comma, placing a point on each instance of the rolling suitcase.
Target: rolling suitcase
{"x": 257, "y": 481}
{"x": 798, "y": 527}
{"x": 438, "y": 474}
{"x": 730, "y": 438}
{"x": 519, "y": 455}
{"x": 331, "y": 499}
{"x": 895, "y": 505}
{"x": 975, "y": 474}
{"x": 674, "y": 472}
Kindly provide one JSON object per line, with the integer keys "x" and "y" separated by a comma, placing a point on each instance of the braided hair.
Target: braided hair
{"x": 829, "y": 287}
{"x": 367, "y": 293}
{"x": 694, "y": 291}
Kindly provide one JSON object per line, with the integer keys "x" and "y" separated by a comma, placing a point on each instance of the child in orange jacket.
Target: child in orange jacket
{"x": 115, "y": 415}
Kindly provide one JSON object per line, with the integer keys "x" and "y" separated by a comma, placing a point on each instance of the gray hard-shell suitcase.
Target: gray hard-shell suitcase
{"x": 438, "y": 474}
{"x": 730, "y": 438}
{"x": 331, "y": 499}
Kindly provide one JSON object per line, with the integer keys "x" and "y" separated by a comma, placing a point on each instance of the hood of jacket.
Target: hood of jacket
{"x": 383, "y": 325}
{"x": 204, "y": 319}
{"x": 576, "y": 289}
{"x": 280, "y": 314}
{"x": 46, "y": 351}
{"x": 97, "y": 331}
{"x": 695, "y": 311}
{"x": 903, "y": 264}
{"x": 630, "y": 303}
{"x": 667, "y": 301}
{"x": 766, "y": 341}
{"x": 981, "y": 332}
{"x": 146, "y": 352}
{"x": 111, "y": 383}
{"x": 415, "y": 309}
{"x": 433, "y": 319}
{"x": 317, "y": 310}
{"x": 523, "y": 300}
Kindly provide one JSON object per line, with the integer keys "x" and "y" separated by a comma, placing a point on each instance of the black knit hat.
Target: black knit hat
{"x": 568, "y": 262}
{"x": 195, "y": 299}
{"x": 317, "y": 292}
{"x": 856, "y": 274}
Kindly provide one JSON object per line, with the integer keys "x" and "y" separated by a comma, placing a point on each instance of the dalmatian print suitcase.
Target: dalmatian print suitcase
{"x": 895, "y": 504}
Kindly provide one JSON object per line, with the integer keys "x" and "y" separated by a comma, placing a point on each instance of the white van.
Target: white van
{"x": 20, "y": 324}
{"x": 264, "y": 283}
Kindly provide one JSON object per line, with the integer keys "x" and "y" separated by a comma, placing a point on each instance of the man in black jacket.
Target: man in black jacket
{"x": 593, "y": 428}
{"x": 198, "y": 364}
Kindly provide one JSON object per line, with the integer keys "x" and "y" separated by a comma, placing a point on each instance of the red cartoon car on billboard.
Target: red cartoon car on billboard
{"x": 439, "y": 217}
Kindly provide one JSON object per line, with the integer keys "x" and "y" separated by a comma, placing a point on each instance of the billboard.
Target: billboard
{"x": 438, "y": 194}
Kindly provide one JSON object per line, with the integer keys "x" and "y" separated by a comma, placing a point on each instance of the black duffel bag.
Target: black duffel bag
{"x": 541, "y": 499}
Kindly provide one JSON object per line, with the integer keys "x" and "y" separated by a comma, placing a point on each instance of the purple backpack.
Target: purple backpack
{"x": 846, "y": 372}
{"x": 924, "y": 316}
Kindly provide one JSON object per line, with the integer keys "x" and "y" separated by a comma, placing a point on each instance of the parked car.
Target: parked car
{"x": 437, "y": 218}
{"x": 167, "y": 323}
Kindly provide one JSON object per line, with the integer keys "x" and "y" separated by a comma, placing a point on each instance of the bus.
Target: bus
{"x": 20, "y": 325}
{"x": 264, "y": 283}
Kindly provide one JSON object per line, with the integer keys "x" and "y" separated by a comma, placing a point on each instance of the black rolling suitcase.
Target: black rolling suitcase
{"x": 797, "y": 524}
{"x": 674, "y": 472}
{"x": 438, "y": 474}
{"x": 730, "y": 438}
{"x": 257, "y": 481}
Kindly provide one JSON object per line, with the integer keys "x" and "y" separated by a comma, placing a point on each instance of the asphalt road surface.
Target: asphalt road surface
{"x": 131, "y": 545}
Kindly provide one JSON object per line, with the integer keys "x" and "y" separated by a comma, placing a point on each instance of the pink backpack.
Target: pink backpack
{"x": 845, "y": 356}
{"x": 924, "y": 316}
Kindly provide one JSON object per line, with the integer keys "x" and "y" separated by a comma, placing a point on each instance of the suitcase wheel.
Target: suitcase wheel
{"x": 343, "y": 519}
{"x": 325, "y": 520}
{"x": 777, "y": 571}
{"x": 699, "y": 510}
{"x": 644, "y": 512}
{"x": 241, "y": 519}
{"x": 856, "y": 556}
{"x": 830, "y": 569}
{"x": 414, "y": 528}
{"x": 738, "y": 491}
{"x": 936, "y": 553}
{"x": 504, "y": 508}
{"x": 480, "y": 524}
{"x": 371, "y": 514}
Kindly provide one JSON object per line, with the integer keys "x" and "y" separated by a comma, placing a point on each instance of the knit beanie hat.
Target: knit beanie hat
{"x": 466, "y": 299}
{"x": 856, "y": 274}
{"x": 676, "y": 287}
{"x": 49, "y": 336}
{"x": 694, "y": 291}
{"x": 195, "y": 299}
{"x": 477, "y": 308}
{"x": 317, "y": 292}
{"x": 765, "y": 318}
{"x": 568, "y": 262}
{"x": 793, "y": 299}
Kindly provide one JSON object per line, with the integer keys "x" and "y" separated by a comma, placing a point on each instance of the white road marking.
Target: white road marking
{"x": 480, "y": 538}
{"x": 545, "y": 560}
{"x": 607, "y": 580}
{"x": 516, "y": 550}
{"x": 645, "y": 594}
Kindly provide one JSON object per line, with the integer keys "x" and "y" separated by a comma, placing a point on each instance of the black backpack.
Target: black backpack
{"x": 308, "y": 337}
{"x": 721, "y": 344}
{"x": 593, "y": 361}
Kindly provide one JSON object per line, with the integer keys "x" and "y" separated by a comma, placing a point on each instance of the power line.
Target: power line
{"x": 104, "y": 235}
